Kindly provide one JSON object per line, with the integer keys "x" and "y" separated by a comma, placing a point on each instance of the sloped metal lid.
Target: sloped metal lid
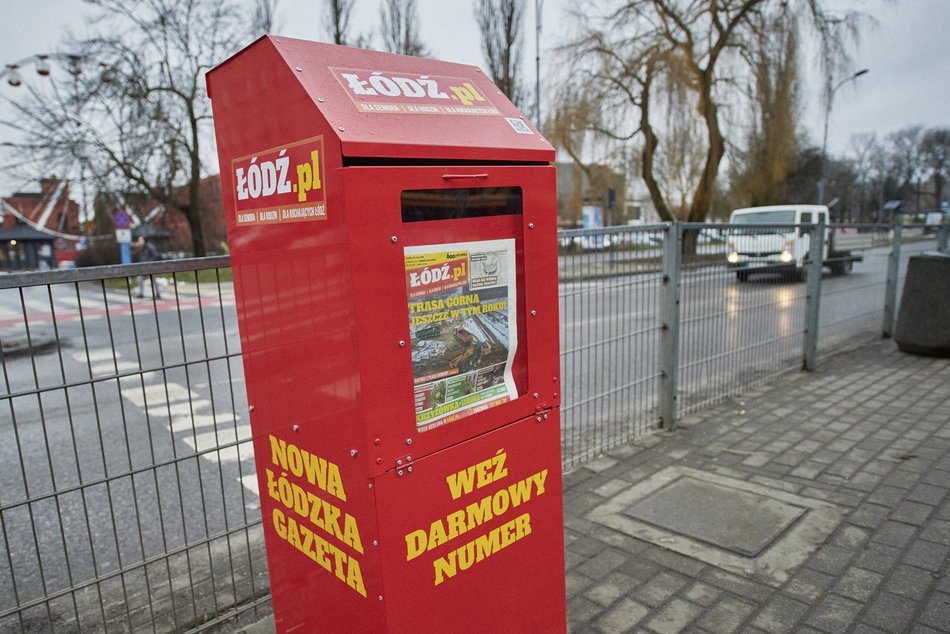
{"x": 382, "y": 105}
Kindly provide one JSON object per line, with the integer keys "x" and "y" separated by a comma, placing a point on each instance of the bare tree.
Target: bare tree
{"x": 632, "y": 55}
{"x": 501, "y": 24}
{"x": 572, "y": 127}
{"x": 264, "y": 17}
{"x": 681, "y": 164}
{"x": 904, "y": 160}
{"x": 935, "y": 154}
{"x": 336, "y": 17}
{"x": 141, "y": 123}
{"x": 400, "y": 28}
{"x": 760, "y": 175}
{"x": 864, "y": 148}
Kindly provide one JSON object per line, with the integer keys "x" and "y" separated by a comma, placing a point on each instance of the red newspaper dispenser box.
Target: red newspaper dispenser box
{"x": 392, "y": 229}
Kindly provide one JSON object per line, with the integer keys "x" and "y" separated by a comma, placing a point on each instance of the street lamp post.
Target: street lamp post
{"x": 538, "y": 8}
{"x": 824, "y": 142}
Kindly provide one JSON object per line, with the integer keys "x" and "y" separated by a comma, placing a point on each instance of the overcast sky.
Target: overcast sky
{"x": 907, "y": 54}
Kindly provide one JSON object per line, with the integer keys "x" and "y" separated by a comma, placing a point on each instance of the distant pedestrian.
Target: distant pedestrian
{"x": 147, "y": 253}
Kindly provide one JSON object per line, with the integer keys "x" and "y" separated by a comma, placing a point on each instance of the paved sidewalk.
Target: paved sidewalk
{"x": 860, "y": 449}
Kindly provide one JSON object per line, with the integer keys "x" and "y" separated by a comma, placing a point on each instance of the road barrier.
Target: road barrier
{"x": 129, "y": 500}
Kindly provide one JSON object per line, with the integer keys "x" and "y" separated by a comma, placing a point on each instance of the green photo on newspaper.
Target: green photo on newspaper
{"x": 462, "y": 325}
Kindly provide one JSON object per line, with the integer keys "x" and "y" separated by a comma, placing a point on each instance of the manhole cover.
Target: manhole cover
{"x": 737, "y": 525}
{"x": 739, "y": 521}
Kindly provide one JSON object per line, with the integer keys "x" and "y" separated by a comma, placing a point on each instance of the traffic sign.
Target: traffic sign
{"x": 122, "y": 220}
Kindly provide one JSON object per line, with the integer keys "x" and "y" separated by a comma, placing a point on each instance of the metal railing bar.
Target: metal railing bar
{"x": 232, "y": 614}
{"x": 165, "y": 556}
{"x": 154, "y": 466}
{"x": 15, "y": 428}
{"x": 657, "y": 229}
{"x": 224, "y": 338}
{"x": 735, "y": 351}
{"x": 603, "y": 288}
{"x": 851, "y": 289}
{"x": 85, "y": 503}
{"x": 111, "y": 271}
{"x": 151, "y": 445}
{"x": 49, "y": 461}
{"x": 765, "y": 378}
{"x": 619, "y": 388}
{"x": 214, "y": 420}
{"x": 728, "y": 314}
{"x": 118, "y": 376}
{"x": 101, "y": 444}
{"x": 125, "y": 430}
{"x": 621, "y": 337}
{"x": 194, "y": 434}
{"x": 852, "y": 316}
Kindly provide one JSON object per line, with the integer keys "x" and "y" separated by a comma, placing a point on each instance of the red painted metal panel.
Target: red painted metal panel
{"x": 319, "y": 259}
{"x": 385, "y": 106}
{"x": 472, "y": 538}
{"x": 379, "y": 298}
{"x": 295, "y": 317}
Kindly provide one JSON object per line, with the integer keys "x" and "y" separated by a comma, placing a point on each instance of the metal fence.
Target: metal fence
{"x": 127, "y": 492}
{"x": 611, "y": 295}
{"x": 128, "y": 498}
{"x": 650, "y": 334}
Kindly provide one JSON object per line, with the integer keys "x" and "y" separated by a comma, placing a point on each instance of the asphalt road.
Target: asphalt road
{"x": 145, "y": 383}
{"x": 732, "y": 335}
{"x": 132, "y": 386}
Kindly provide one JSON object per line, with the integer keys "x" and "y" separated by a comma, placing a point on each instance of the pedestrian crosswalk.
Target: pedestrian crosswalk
{"x": 41, "y": 307}
{"x": 156, "y": 392}
{"x": 191, "y": 409}
{"x": 192, "y": 420}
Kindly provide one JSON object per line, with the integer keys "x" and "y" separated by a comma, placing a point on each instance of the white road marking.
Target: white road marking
{"x": 177, "y": 410}
{"x": 209, "y": 440}
{"x": 108, "y": 367}
{"x": 94, "y": 356}
{"x": 158, "y": 393}
{"x": 186, "y": 423}
{"x": 250, "y": 483}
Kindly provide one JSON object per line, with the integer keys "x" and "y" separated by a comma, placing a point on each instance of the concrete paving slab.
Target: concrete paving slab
{"x": 740, "y": 521}
{"x": 876, "y": 560}
{"x": 815, "y": 521}
{"x": 863, "y": 445}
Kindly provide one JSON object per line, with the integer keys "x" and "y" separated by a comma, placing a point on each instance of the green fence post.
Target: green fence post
{"x": 813, "y": 267}
{"x": 890, "y": 289}
{"x": 670, "y": 324}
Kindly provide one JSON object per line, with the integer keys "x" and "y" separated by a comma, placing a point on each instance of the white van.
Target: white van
{"x": 781, "y": 249}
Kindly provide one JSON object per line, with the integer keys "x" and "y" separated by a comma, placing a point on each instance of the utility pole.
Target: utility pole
{"x": 824, "y": 143}
{"x": 538, "y": 8}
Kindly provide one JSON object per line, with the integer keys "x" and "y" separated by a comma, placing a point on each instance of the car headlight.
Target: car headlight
{"x": 733, "y": 258}
{"x": 786, "y": 256}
